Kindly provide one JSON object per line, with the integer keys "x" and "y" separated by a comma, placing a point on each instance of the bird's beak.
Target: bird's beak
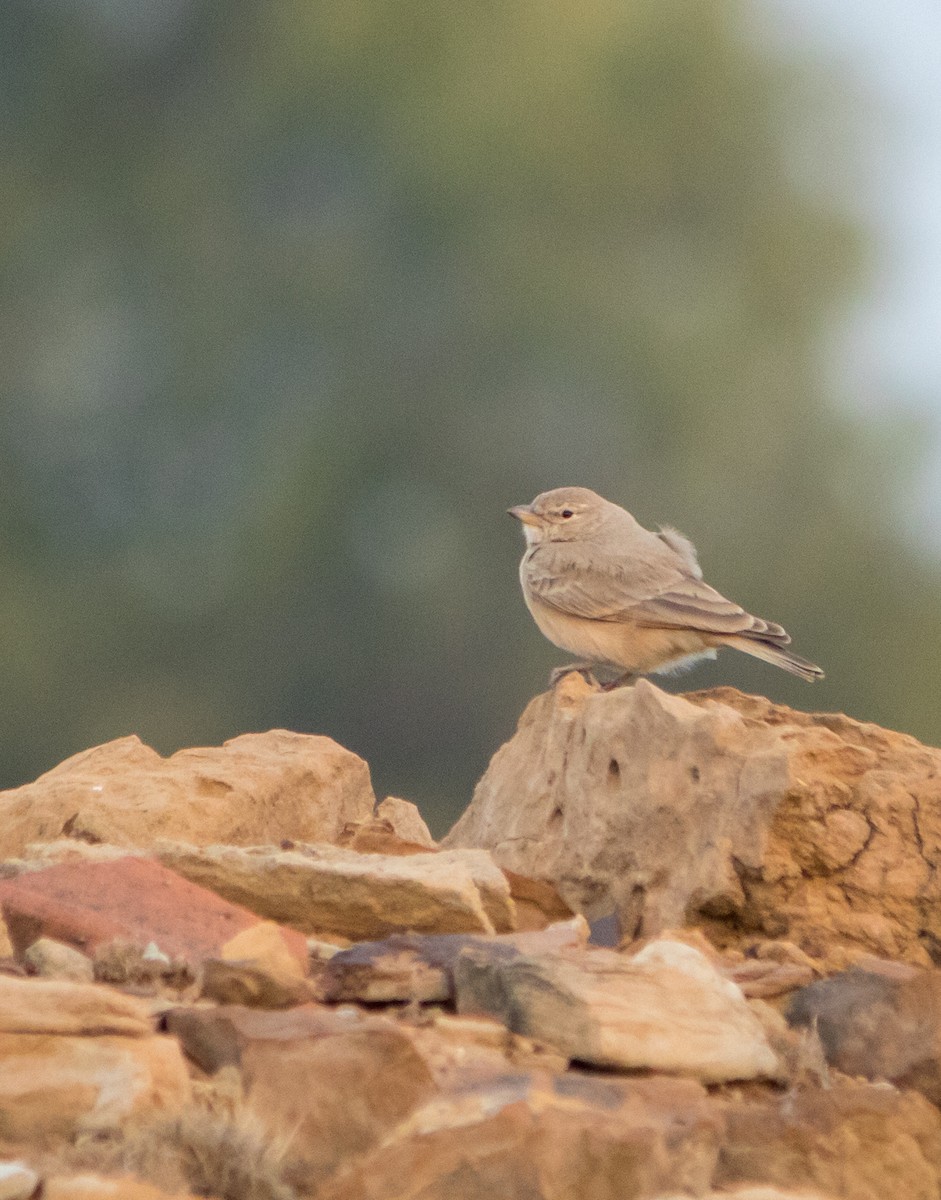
{"x": 524, "y": 513}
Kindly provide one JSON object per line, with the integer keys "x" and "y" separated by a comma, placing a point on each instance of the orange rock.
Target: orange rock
{"x": 850, "y": 1141}
{"x": 260, "y": 787}
{"x": 572, "y": 1137}
{"x": 59, "y": 1086}
{"x": 720, "y": 810}
{"x": 99, "y": 1187}
{"x": 46, "y": 1006}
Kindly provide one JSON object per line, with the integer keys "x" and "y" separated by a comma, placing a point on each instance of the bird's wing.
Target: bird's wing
{"x": 654, "y": 593}
{"x": 578, "y": 581}
{"x": 692, "y": 604}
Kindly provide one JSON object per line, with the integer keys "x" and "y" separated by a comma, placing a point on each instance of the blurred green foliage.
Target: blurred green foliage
{"x": 298, "y": 297}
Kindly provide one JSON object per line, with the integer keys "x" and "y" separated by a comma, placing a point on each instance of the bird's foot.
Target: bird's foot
{"x": 582, "y": 668}
{"x": 622, "y": 681}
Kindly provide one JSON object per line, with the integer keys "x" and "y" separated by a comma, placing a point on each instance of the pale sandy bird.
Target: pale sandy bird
{"x": 620, "y": 597}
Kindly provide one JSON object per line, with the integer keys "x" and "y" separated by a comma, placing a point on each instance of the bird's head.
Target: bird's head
{"x": 562, "y": 515}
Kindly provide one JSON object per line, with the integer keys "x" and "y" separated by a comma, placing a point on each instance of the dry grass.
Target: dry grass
{"x": 218, "y": 1147}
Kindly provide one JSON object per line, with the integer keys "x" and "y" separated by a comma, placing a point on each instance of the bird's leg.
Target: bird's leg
{"x": 621, "y": 681}
{"x": 583, "y": 668}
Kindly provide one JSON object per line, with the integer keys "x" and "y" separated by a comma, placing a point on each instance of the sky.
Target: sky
{"x": 886, "y": 55}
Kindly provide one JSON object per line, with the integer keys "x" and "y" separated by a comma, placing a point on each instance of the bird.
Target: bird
{"x": 627, "y": 599}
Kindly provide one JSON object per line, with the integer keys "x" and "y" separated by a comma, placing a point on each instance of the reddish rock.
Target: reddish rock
{"x": 261, "y": 787}
{"x": 88, "y": 905}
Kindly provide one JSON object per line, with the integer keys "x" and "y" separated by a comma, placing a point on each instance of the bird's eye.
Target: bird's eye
{"x": 567, "y": 512}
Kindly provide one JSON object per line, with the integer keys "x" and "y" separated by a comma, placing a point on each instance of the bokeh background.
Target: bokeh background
{"x": 296, "y": 298}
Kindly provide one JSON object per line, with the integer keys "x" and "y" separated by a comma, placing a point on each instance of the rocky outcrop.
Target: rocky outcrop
{"x": 260, "y": 787}
{"x": 722, "y": 810}
{"x": 369, "y": 1016}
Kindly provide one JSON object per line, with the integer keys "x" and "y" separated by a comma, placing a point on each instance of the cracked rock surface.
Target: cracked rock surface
{"x": 721, "y": 810}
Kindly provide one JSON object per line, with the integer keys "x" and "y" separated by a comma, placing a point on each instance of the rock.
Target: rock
{"x": 329, "y": 891}
{"x": 667, "y": 1009}
{"x": 764, "y": 979}
{"x": 56, "y": 960}
{"x": 420, "y": 967}
{"x": 60, "y": 1086}
{"x": 256, "y": 968}
{"x": 98, "y": 1187}
{"x": 406, "y": 821}
{"x": 384, "y": 1078}
{"x": 260, "y": 787}
{"x": 251, "y": 984}
{"x": 217, "y": 1037}
{"x": 538, "y": 903}
{"x": 853, "y": 1141}
{"x": 753, "y": 1193}
{"x": 133, "y": 901}
{"x": 17, "y": 1181}
{"x": 722, "y": 810}
{"x": 44, "y": 1006}
{"x": 532, "y": 1137}
{"x": 877, "y": 1026}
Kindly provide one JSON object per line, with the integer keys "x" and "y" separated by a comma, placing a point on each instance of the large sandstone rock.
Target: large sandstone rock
{"x": 333, "y": 891}
{"x": 667, "y": 1009}
{"x": 722, "y": 810}
{"x": 260, "y": 787}
{"x": 535, "y": 1137}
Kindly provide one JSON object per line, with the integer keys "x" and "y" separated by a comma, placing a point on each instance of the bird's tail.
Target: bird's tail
{"x": 778, "y": 656}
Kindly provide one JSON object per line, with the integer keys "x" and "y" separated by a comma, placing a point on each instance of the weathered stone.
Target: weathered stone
{"x": 337, "y": 1095}
{"x": 134, "y": 901}
{"x": 667, "y": 1009}
{"x": 56, "y": 960}
{"x": 17, "y": 1181}
{"x": 538, "y": 903}
{"x": 328, "y": 890}
{"x": 851, "y": 1141}
{"x": 763, "y": 979}
{"x": 251, "y": 984}
{"x": 99, "y": 1187}
{"x": 218, "y": 1037}
{"x": 723, "y": 810}
{"x": 260, "y": 787}
{"x": 759, "y": 1192}
{"x": 52, "y": 1087}
{"x": 420, "y": 967}
{"x": 877, "y": 1026}
{"x": 45, "y": 1006}
{"x": 532, "y": 1137}
{"x": 256, "y": 968}
{"x": 406, "y": 821}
